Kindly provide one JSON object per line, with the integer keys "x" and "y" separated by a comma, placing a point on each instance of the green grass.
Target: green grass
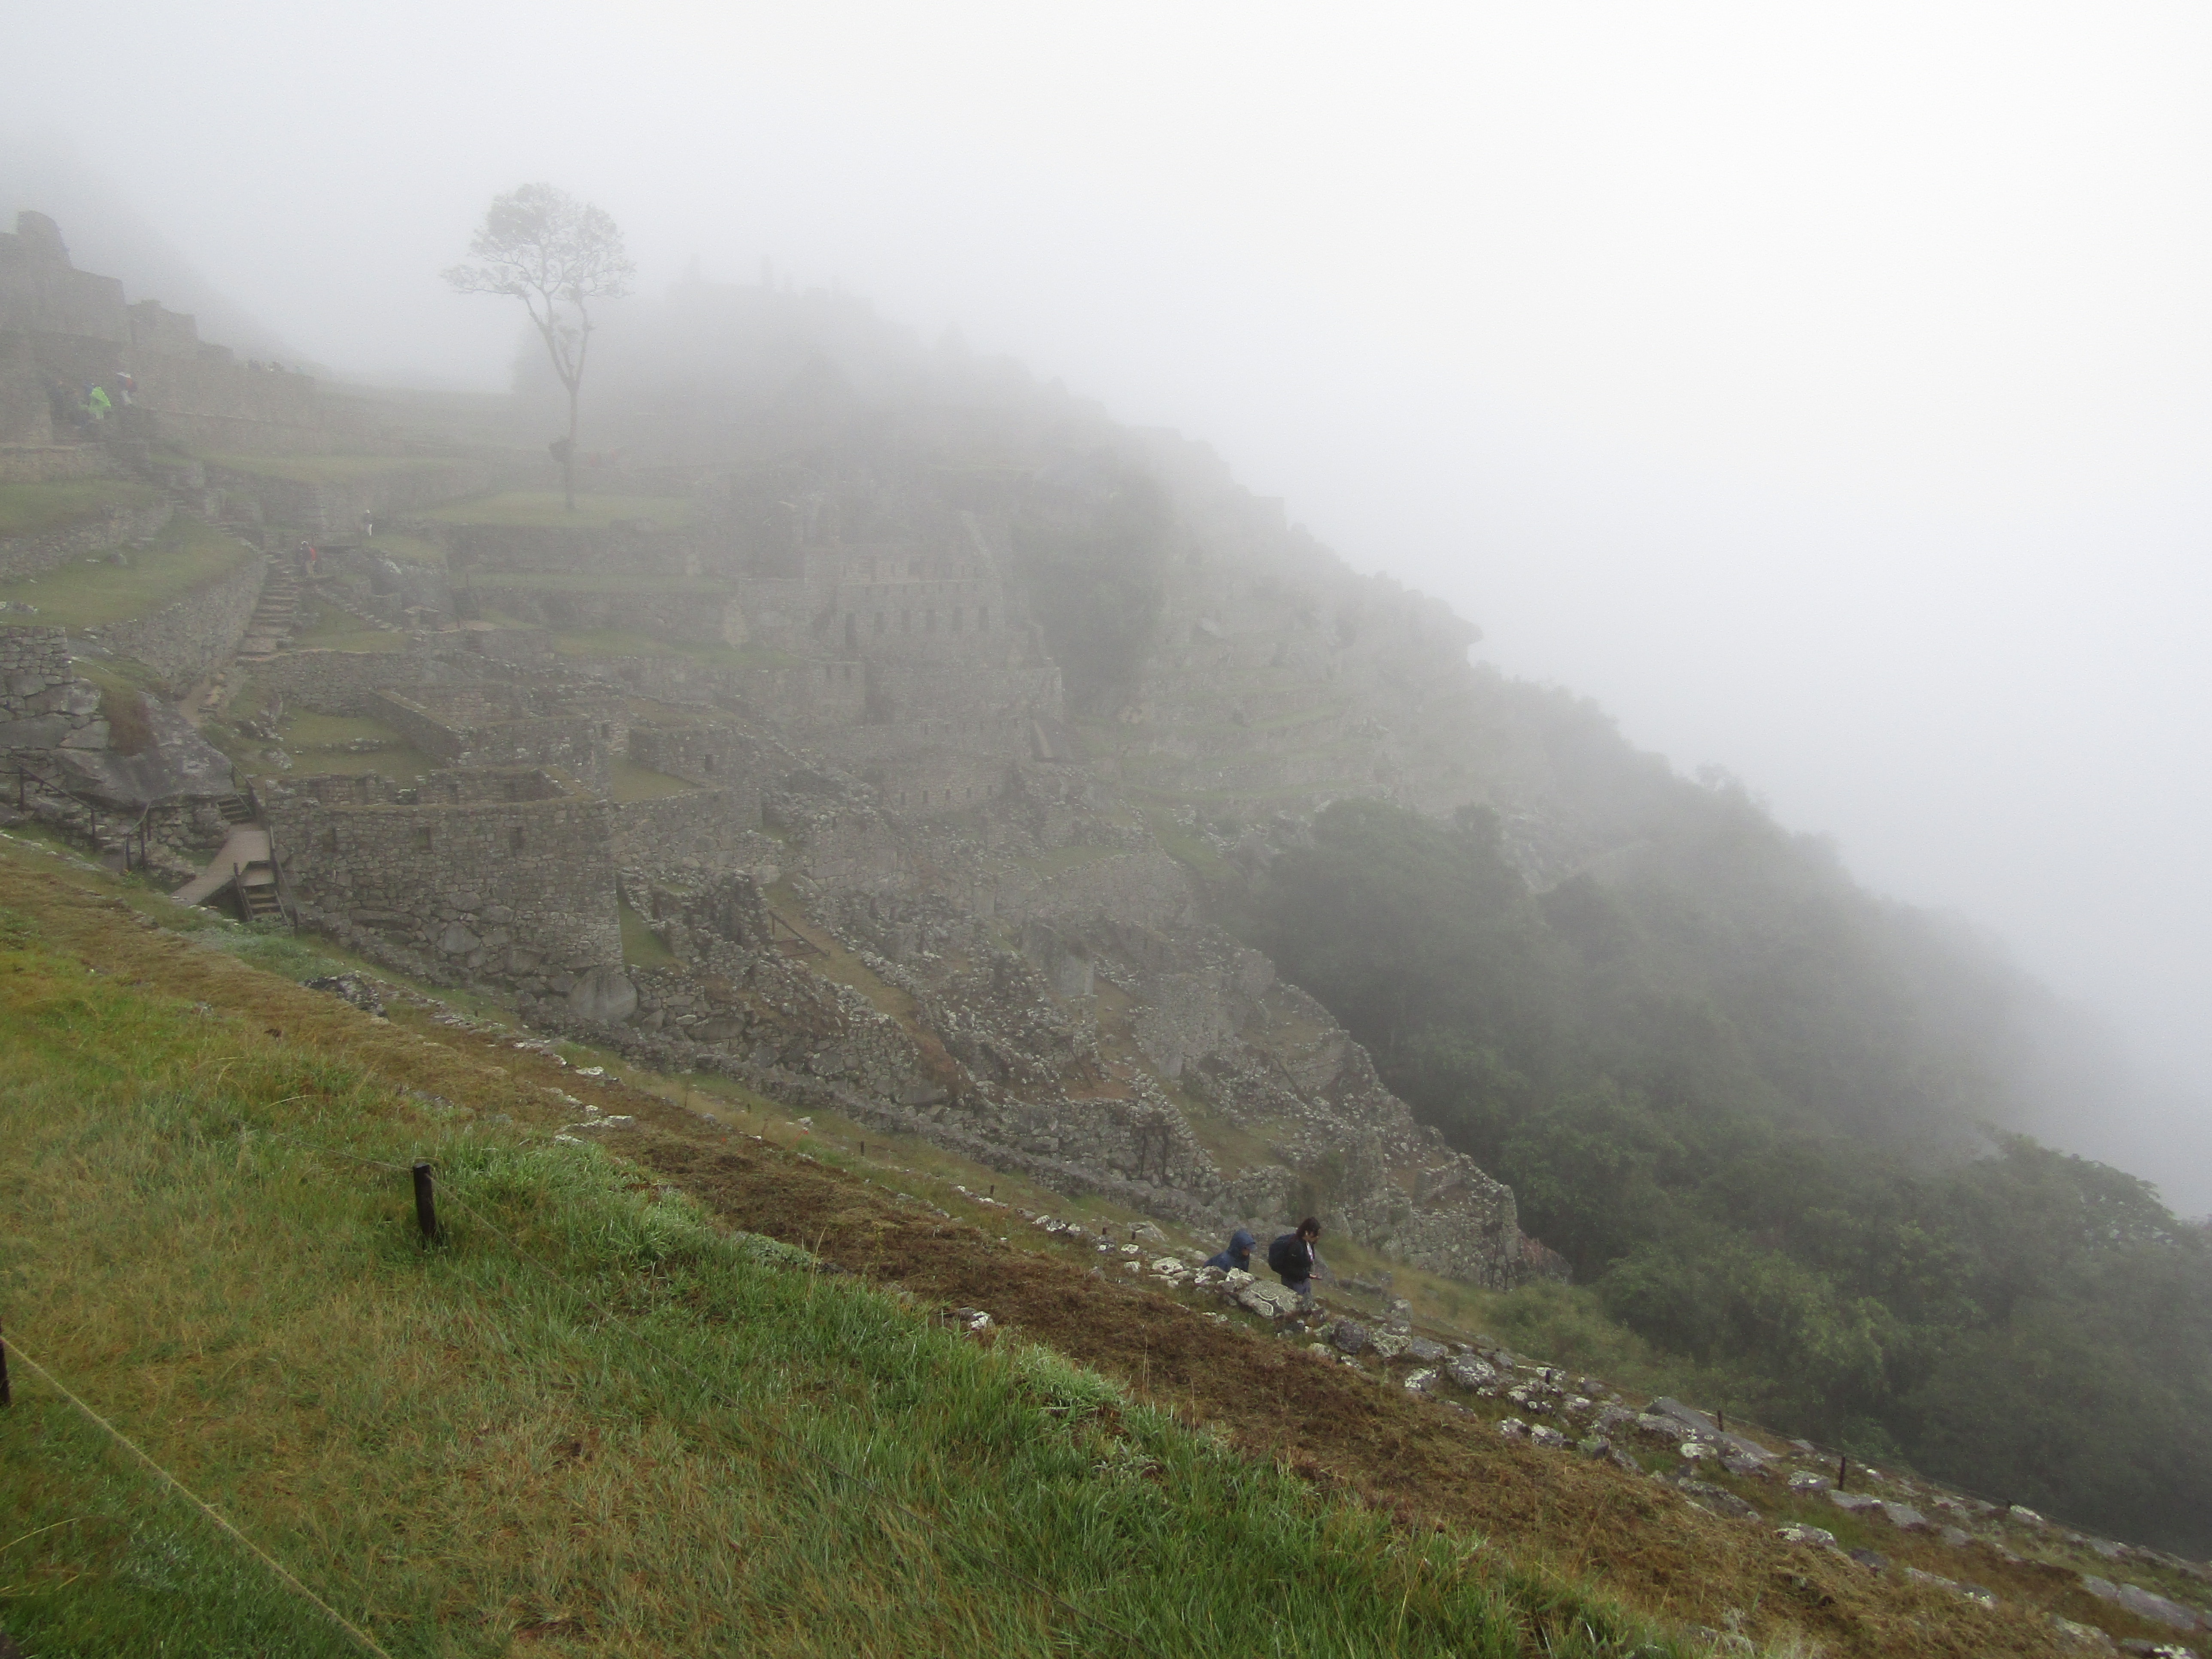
{"x": 32, "y": 509}
{"x": 543, "y": 509}
{"x": 334, "y": 629}
{"x": 586, "y": 1404}
{"x": 324, "y": 469}
{"x": 631, "y": 781}
{"x": 641, "y": 947}
{"x": 93, "y": 593}
{"x": 601, "y": 642}
{"x": 561, "y": 581}
{"x": 408, "y": 549}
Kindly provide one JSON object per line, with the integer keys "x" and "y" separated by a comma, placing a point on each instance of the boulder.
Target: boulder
{"x": 1855, "y": 1502}
{"x": 1349, "y": 1334}
{"x": 2087, "y": 1635}
{"x": 1904, "y": 1517}
{"x": 1268, "y": 1301}
{"x": 1719, "y": 1499}
{"x": 350, "y": 988}
{"x": 1799, "y": 1532}
{"x": 603, "y": 995}
{"x": 1471, "y": 1373}
{"x": 2159, "y": 1609}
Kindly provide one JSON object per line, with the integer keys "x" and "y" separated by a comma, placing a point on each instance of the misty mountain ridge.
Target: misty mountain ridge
{"x": 1203, "y": 872}
{"x": 1769, "y": 1116}
{"x": 716, "y": 371}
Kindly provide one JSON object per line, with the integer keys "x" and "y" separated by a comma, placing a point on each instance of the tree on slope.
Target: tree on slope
{"x": 556, "y": 255}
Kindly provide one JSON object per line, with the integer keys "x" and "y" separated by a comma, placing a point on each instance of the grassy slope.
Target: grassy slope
{"x": 591, "y": 1404}
{"x": 544, "y": 509}
{"x": 324, "y": 469}
{"x": 32, "y": 509}
{"x": 93, "y": 593}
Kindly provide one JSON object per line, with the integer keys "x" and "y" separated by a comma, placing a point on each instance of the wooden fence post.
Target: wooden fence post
{"x": 5, "y": 1397}
{"x": 426, "y": 1203}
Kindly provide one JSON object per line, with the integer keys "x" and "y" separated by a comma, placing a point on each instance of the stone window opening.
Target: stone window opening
{"x": 710, "y": 765}
{"x": 329, "y": 840}
{"x": 423, "y": 838}
{"x": 606, "y": 730}
{"x": 956, "y": 619}
{"x": 515, "y": 839}
{"x": 982, "y": 619}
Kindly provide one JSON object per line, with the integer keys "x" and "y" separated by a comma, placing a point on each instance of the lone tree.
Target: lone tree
{"x": 554, "y": 254}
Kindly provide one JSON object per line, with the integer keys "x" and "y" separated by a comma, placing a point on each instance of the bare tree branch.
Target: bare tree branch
{"x": 555, "y": 254}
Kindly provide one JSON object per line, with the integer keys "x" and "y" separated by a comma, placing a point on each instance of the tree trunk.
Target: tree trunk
{"x": 568, "y": 465}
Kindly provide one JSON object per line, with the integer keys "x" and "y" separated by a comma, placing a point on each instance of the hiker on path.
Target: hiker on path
{"x": 1293, "y": 1259}
{"x": 1237, "y": 1257}
{"x": 99, "y": 402}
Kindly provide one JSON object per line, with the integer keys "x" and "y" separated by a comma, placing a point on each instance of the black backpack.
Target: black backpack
{"x": 1282, "y": 1254}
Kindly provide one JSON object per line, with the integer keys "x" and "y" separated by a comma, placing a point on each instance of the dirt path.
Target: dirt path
{"x": 1639, "y": 1541}
{"x": 1642, "y": 1542}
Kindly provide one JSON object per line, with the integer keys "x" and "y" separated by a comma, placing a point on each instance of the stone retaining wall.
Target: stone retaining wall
{"x": 43, "y": 704}
{"x": 704, "y": 829}
{"x": 521, "y": 890}
{"x": 27, "y": 555}
{"x": 343, "y": 682}
{"x": 182, "y": 642}
{"x": 696, "y": 617}
{"x": 333, "y": 507}
{"x": 38, "y": 462}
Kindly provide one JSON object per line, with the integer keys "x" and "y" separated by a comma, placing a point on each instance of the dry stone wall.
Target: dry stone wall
{"x": 699, "y": 831}
{"x": 43, "y": 703}
{"x": 333, "y": 507}
{"x": 521, "y": 892}
{"x": 27, "y": 555}
{"x": 182, "y": 642}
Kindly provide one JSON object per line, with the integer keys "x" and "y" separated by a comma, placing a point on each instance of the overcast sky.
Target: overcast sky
{"x": 1824, "y": 388}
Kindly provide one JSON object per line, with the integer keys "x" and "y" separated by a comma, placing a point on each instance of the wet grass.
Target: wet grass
{"x": 630, "y": 781}
{"x": 589, "y": 1413}
{"x": 32, "y": 509}
{"x": 94, "y": 592}
{"x": 544, "y": 509}
{"x": 324, "y": 469}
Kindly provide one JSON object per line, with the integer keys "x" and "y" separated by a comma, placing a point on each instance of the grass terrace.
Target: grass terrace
{"x": 32, "y": 509}
{"x": 326, "y": 468}
{"x": 631, "y": 781}
{"x": 605, "y": 642}
{"x": 334, "y": 629}
{"x": 544, "y": 509}
{"x": 93, "y": 592}
{"x": 562, "y": 582}
{"x": 406, "y": 549}
{"x": 589, "y": 1413}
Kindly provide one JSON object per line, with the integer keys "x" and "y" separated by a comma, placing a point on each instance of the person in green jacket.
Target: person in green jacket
{"x": 96, "y": 397}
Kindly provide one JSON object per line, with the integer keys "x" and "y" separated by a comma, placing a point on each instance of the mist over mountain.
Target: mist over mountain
{"x": 107, "y": 232}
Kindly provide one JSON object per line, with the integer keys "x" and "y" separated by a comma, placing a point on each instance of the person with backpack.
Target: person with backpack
{"x": 1237, "y": 1257}
{"x": 1293, "y": 1259}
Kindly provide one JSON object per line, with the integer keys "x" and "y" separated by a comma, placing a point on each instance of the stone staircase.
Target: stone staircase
{"x": 269, "y": 629}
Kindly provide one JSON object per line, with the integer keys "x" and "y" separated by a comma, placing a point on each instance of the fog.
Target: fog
{"x": 1825, "y": 390}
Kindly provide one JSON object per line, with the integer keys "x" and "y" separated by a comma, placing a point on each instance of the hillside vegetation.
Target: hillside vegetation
{"x": 588, "y": 1413}
{"x": 1743, "y": 1099}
